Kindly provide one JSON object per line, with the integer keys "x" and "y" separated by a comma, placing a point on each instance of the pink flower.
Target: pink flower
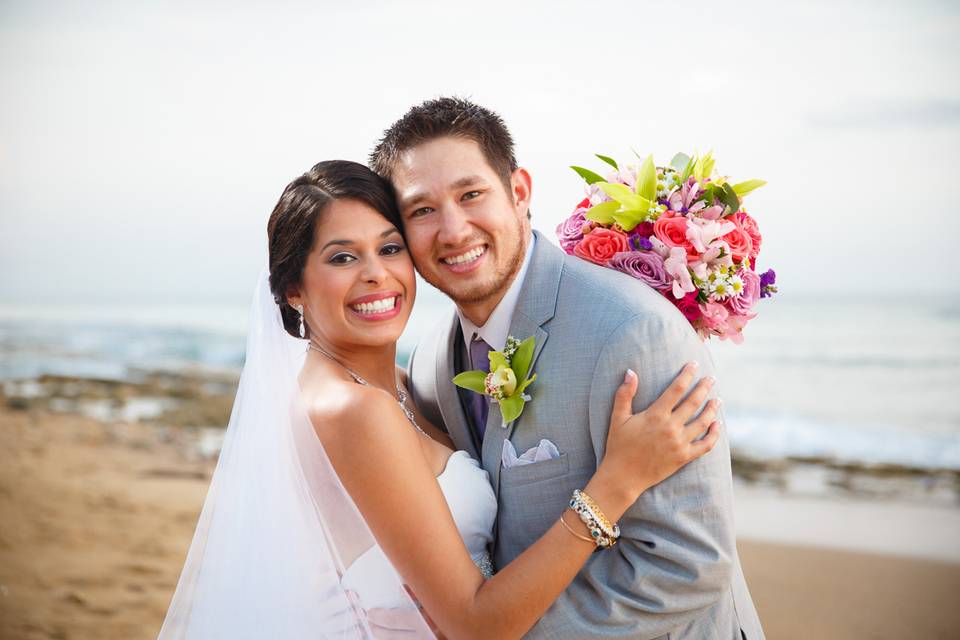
{"x": 735, "y": 325}
{"x": 688, "y": 306}
{"x": 601, "y": 244}
{"x": 744, "y": 301}
{"x": 749, "y": 225}
{"x": 701, "y": 232}
{"x": 676, "y": 266}
{"x": 715, "y": 316}
{"x": 671, "y": 230}
{"x": 741, "y": 246}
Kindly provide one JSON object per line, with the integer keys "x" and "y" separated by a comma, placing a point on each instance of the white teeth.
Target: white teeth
{"x": 469, "y": 256}
{"x": 377, "y": 306}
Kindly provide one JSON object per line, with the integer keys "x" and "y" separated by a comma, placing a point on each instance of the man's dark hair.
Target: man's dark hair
{"x": 441, "y": 117}
{"x": 290, "y": 231}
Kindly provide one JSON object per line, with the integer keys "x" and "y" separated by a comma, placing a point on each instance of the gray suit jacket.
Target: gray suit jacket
{"x": 675, "y": 572}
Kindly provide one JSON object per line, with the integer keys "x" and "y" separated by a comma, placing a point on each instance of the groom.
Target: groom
{"x": 465, "y": 209}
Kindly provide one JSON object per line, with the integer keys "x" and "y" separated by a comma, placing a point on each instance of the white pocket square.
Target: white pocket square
{"x": 546, "y": 450}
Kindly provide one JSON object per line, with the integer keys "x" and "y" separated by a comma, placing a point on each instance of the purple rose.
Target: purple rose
{"x": 768, "y": 281}
{"x": 570, "y": 231}
{"x": 642, "y": 265}
{"x": 744, "y": 301}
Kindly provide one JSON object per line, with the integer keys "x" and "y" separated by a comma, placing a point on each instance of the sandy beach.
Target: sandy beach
{"x": 95, "y": 519}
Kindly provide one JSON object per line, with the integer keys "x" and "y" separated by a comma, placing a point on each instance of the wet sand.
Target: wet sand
{"x": 95, "y": 520}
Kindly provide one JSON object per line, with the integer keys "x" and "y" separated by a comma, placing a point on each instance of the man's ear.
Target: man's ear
{"x": 521, "y": 187}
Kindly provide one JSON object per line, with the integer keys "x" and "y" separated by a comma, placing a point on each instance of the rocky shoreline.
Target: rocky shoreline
{"x": 193, "y": 407}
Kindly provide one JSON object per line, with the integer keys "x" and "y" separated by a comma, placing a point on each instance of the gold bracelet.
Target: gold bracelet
{"x": 568, "y": 528}
{"x": 590, "y": 512}
{"x": 597, "y": 513}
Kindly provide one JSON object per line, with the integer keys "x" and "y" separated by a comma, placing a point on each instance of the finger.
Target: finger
{"x": 706, "y": 417}
{"x": 623, "y": 400}
{"x": 673, "y": 393}
{"x": 690, "y": 406}
{"x": 705, "y": 444}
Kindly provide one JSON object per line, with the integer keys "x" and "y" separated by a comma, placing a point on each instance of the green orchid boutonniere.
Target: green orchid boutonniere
{"x": 503, "y": 384}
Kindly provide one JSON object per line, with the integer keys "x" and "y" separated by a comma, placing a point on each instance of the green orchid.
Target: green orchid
{"x": 502, "y": 383}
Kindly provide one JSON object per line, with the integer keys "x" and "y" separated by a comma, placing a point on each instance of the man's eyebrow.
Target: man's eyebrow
{"x": 350, "y": 243}
{"x": 456, "y": 184}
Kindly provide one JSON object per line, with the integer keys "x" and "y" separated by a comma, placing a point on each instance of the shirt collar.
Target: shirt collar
{"x": 497, "y": 328}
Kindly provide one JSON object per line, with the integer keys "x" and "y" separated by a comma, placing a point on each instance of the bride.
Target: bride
{"x": 336, "y": 509}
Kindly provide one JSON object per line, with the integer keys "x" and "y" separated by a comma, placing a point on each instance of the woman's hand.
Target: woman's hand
{"x": 647, "y": 447}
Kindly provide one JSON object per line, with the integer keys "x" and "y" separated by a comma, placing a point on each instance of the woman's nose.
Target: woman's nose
{"x": 374, "y": 271}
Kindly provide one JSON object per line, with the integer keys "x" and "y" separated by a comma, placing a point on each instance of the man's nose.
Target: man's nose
{"x": 455, "y": 228}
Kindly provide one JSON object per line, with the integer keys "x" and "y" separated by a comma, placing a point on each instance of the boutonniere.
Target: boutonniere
{"x": 503, "y": 384}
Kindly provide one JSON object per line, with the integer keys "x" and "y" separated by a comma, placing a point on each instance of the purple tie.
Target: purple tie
{"x": 479, "y": 404}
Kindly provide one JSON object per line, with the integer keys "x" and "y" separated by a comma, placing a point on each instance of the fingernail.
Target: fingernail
{"x": 694, "y": 365}
{"x": 711, "y": 380}
{"x": 630, "y": 374}
{"x": 719, "y": 402}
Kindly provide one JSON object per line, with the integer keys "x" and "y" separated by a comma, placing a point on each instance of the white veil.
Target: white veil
{"x": 277, "y": 529}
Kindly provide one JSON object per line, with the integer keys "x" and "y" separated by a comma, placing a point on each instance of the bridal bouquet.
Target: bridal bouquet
{"x": 683, "y": 230}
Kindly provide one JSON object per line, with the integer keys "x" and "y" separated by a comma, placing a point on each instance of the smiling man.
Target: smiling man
{"x": 465, "y": 208}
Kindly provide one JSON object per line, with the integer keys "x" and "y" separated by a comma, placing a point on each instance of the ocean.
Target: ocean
{"x": 848, "y": 380}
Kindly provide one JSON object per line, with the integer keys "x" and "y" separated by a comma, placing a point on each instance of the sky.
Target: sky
{"x": 143, "y": 145}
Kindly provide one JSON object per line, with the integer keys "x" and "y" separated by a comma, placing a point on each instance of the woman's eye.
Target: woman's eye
{"x": 391, "y": 249}
{"x": 341, "y": 258}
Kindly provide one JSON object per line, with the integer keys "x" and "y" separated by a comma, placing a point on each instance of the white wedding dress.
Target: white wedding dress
{"x": 281, "y": 550}
{"x": 466, "y": 487}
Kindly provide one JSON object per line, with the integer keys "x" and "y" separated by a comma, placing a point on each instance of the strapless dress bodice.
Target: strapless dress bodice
{"x": 466, "y": 488}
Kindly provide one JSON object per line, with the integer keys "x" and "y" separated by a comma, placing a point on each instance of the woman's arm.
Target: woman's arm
{"x": 378, "y": 457}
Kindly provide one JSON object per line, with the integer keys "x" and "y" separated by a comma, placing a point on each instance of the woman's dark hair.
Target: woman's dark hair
{"x": 290, "y": 231}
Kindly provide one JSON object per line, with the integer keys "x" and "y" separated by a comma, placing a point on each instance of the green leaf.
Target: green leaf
{"x": 622, "y": 194}
{"x": 729, "y": 197}
{"x": 630, "y": 218}
{"x": 745, "y": 187}
{"x": 520, "y": 362}
{"x": 688, "y": 170}
{"x": 497, "y": 360}
{"x": 526, "y": 383}
{"x": 603, "y": 212}
{"x": 590, "y": 176}
{"x": 647, "y": 179}
{"x": 472, "y": 380}
{"x": 609, "y": 161}
{"x": 511, "y": 408}
{"x": 704, "y": 166}
{"x": 680, "y": 161}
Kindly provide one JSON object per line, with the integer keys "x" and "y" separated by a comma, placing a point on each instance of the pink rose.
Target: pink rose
{"x": 671, "y": 230}
{"x": 749, "y": 225}
{"x": 741, "y": 246}
{"x": 600, "y": 245}
{"x": 744, "y": 301}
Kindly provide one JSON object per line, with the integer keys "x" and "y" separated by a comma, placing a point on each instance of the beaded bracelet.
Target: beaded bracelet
{"x": 604, "y": 534}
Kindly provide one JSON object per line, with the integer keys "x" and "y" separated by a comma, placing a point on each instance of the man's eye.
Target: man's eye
{"x": 391, "y": 249}
{"x": 421, "y": 211}
{"x": 341, "y": 258}
{"x": 470, "y": 195}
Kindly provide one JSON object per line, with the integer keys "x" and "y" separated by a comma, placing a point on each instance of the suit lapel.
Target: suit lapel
{"x": 535, "y": 307}
{"x": 450, "y": 408}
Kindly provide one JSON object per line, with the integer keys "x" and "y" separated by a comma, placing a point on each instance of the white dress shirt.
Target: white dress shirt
{"x": 497, "y": 328}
